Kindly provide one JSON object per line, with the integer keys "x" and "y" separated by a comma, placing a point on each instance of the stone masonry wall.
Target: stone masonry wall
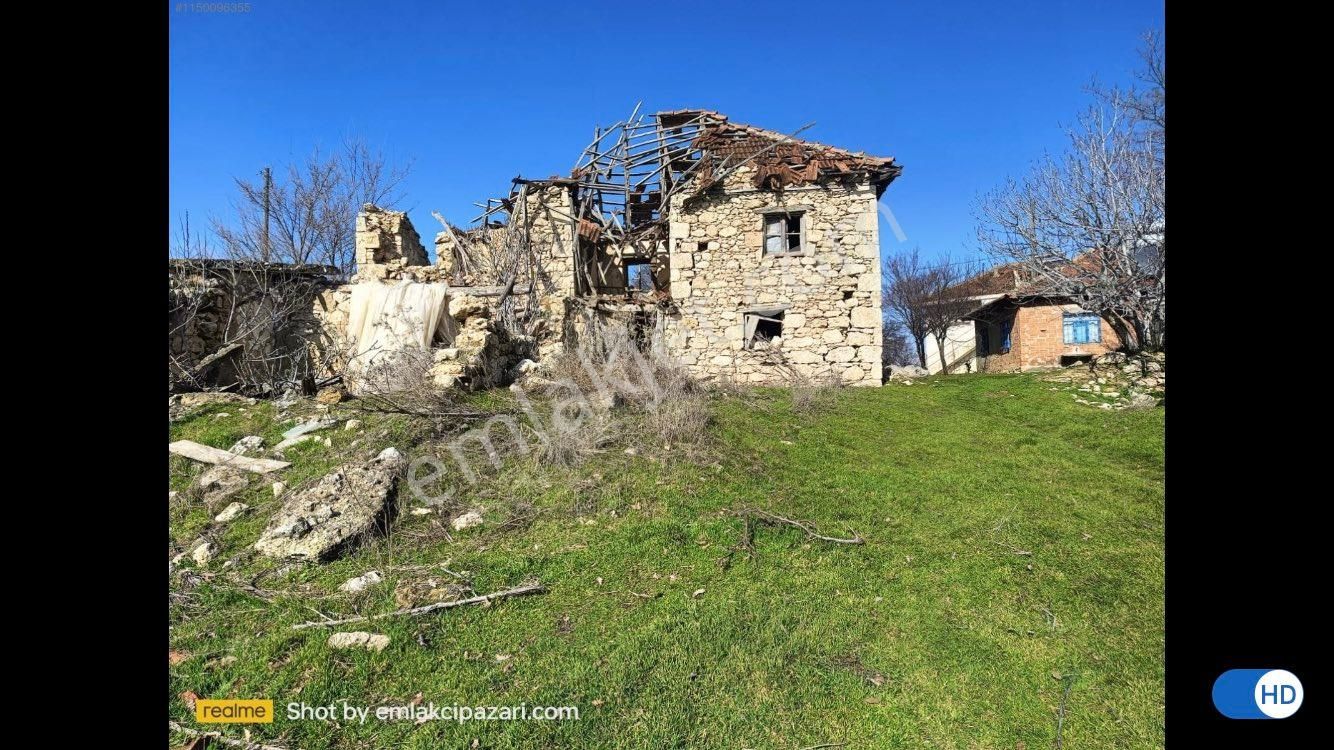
{"x": 829, "y": 293}
{"x": 832, "y": 322}
{"x": 383, "y": 236}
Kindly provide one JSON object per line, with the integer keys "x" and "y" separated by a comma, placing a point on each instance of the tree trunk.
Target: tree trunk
{"x": 921, "y": 350}
{"x": 940, "y": 348}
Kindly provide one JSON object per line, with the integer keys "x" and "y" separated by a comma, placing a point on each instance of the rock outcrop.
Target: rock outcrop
{"x": 348, "y": 504}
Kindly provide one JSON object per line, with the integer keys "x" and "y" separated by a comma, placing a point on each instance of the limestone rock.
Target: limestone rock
{"x": 333, "y": 395}
{"x": 247, "y": 445}
{"x": 415, "y": 593}
{"x": 466, "y": 306}
{"x": 466, "y": 521}
{"x": 219, "y": 483}
{"x": 906, "y": 372}
{"x": 349, "y": 503}
{"x": 203, "y": 554}
{"x": 361, "y": 582}
{"x": 359, "y": 639}
{"x": 231, "y": 512}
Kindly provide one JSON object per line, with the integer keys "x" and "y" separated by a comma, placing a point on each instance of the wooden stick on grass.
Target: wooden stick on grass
{"x": 528, "y": 588}
{"x": 766, "y": 516}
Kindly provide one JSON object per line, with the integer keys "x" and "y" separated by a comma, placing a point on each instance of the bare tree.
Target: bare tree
{"x": 898, "y": 350}
{"x": 907, "y": 287}
{"x": 241, "y": 311}
{"x": 236, "y": 323}
{"x": 310, "y": 217}
{"x": 944, "y": 304}
{"x": 1090, "y": 224}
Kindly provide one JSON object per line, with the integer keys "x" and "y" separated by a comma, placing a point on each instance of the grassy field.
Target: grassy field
{"x": 1014, "y": 550}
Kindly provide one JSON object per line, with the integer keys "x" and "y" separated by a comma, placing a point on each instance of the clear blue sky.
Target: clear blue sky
{"x": 961, "y": 93}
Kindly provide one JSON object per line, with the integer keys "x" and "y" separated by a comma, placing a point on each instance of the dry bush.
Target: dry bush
{"x": 571, "y": 439}
{"x": 809, "y": 393}
{"x": 400, "y": 383}
{"x": 812, "y": 394}
{"x": 663, "y": 403}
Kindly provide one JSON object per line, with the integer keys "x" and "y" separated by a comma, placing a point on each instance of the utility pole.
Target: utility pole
{"x": 268, "y": 188}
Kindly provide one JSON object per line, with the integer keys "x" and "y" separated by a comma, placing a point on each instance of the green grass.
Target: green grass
{"x": 933, "y": 634}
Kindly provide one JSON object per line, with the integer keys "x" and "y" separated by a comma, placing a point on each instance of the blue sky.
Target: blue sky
{"x": 963, "y": 94}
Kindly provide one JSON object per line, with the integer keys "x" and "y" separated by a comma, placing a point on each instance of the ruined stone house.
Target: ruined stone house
{"x": 742, "y": 252}
{"x": 241, "y": 323}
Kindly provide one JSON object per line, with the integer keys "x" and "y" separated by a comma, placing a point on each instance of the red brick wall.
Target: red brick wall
{"x": 1039, "y": 327}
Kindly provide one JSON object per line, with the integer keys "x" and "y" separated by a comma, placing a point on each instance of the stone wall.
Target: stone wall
{"x": 829, "y": 293}
{"x": 237, "y": 323}
{"x": 714, "y": 262}
{"x": 482, "y": 354}
{"x": 385, "y": 237}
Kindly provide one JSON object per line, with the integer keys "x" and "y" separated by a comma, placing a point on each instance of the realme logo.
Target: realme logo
{"x": 233, "y": 711}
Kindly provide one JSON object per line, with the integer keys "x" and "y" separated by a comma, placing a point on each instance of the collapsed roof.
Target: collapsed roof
{"x": 624, "y": 179}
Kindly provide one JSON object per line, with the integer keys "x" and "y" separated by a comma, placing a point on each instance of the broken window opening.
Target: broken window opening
{"x": 762, "y": 328}
{"x": 782, "y": 234}
{"x": 639, "y": 275}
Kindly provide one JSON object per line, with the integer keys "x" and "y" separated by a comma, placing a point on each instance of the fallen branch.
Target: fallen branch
{"x": 1060, "y": 713}
{"x": 485, "y": 599}
{"x": 764, "y": 516}
{"x": 827, "y": 744}
{"x": 224, "y": 740}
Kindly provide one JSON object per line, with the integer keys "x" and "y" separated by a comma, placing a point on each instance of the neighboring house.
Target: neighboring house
{"x": 960, "y": 349}
{"x": 1015, "y": 329}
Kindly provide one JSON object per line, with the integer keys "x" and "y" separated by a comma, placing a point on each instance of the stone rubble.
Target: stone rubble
{"x": 248, "y": 445}
{"x": 1114, "y": 382}
{"x": 350, "y": 503}
{"x": 231, "y": 512}
{"x": 361, "y": 582}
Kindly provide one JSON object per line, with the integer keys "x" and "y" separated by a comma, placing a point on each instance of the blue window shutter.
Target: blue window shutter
{"x": 1081, "y": 328}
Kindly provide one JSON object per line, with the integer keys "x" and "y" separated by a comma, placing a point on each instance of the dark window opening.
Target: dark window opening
{"x": 762, "y": 327}
{"x": 782, "y": 234}
{"x": 983, "y": 340}
{"x": 641, "y": 331}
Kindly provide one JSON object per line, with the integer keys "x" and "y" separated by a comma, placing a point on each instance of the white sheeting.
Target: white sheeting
{"x": 385, "y": 319}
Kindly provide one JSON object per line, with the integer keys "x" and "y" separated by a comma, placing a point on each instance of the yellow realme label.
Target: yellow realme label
{"x": 233, "y": 711}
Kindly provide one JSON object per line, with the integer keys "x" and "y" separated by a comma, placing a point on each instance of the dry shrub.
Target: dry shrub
{"x": 812, "y": 394}
{"x": 681, "y": 417}
{"x": 809, "y": 393}
{"x": 660, "y": 400}
{"x": 571, "y": 439}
